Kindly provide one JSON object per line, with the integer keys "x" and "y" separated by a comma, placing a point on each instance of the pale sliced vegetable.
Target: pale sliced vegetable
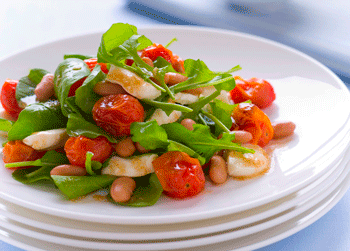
{"x": 47, "y": 140}
{"x": 160, "y": 116}
{"x": 224, "y": 95}
{"x": 247, "y": 165}
{"x": 185, "y": 98}
{"x": 132, "y": 83}
{"x": 135, "y": 166}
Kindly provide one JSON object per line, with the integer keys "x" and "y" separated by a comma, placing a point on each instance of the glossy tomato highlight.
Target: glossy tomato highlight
{"x": 116, "y": 113}
{"x": 180, "y": 175}
{"x": 77, "y": 147}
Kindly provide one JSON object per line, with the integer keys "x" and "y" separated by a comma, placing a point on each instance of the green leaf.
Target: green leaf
{"x": 26, "y": 85}
{"x": 36, "y": 75}
{"x": 50, "y": 160}
{"x": 223, "y": 112}
{"x": 176, "y": 146}
{"x": 85, "y": 97}
{"x": 201, "y": 140}
{"x": 172, "y": 41}
{"x": 161, "y": 62}
{"x": 80, "y": 56}
{"x": 91, "y": 165}
{"x": 5, "y": 125}
{"x": 167, "y": 107}
{"x": 77, "y": 126}
{"x": 37, "y": 117}
{"x": 67, "y": 73}
{"x": 149, "y": 134}
{"x": 75, "y": 186}
{"x": 116, "y": 38}
{"x": 148, "y": 191}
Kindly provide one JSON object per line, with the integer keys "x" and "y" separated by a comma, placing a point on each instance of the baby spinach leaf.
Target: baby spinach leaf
{"x": 77, "y": 126}
{"x": 37, "y": 117}
{"x": 147, "y": 192}
{"x": 115, "y": 41}
{"x": 80, "y": 56}
{"x": 201, "y": 140}
{"x": 149, "y": 134}
{"x": 50, "y": 160}
{"x": 5, "y": 125}
{"x": 26, "y": 85}
{"x": 75, "y": 186}
{"x": 67, "y": 73}
{"x": 85, "y": 97}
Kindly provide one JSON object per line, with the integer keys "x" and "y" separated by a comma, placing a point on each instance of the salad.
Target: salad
{"x": 138, "y": 119}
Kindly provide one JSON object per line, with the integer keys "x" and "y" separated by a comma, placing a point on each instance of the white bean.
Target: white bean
{"x": 122, "y": 189}
{"x": 45, "y": 89}
{"x": 218, "y": 169}
{"x": 283, "y": 129}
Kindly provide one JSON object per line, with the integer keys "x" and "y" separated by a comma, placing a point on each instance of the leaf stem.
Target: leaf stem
{"x": 216, "y": 121}
{"x": 202, "y": 84}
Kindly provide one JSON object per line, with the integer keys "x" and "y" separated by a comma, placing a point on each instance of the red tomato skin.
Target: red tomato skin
{"x": 157, "y": 50}
{"x": 17, "y": 151}
{"x": 249, "y": 117}
{"x": 180, "y": 175}
{"x": 8, "y": 97}
{"x": 92, "y": 62}
{"x": 75, "y": 86}
{"x": 116, "y": 113}
{"x": 77, "y": 147}
{"x": 259, "y": 91}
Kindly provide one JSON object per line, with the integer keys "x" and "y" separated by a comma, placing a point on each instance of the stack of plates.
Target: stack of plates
{"x": 308, "y": 176}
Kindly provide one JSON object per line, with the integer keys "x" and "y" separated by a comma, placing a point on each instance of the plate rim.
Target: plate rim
{"x": 136, "y": 220}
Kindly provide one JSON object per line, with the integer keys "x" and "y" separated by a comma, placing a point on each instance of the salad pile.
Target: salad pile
{"x": 135, "y": 118}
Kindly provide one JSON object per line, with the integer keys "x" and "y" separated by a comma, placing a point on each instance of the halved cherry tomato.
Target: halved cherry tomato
{"x": 92, "y": 62}
{"x": 116, "y": 113}
{"x": 180, "y": 175}
{"x": 8, "y": 97}
{"x": 77, "y": 147}
{"x": 249, "y": 117}
{"x": 17, "y": 151}
{"x": 259, "y": 91}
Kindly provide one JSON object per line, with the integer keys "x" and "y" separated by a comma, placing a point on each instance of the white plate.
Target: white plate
{"x": 295, "y": 165}
{"x": 31, "y": 240}
{"x": 76, "y": 228}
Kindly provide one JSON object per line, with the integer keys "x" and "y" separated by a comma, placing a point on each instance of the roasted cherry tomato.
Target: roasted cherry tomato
{"x": 249, "y": 117}
{"x": 180, "y": 175}
{"x": 92, "y": 62}
{"x": 115, "y": 113}
{"x": 77, "y": 147}
{"x": 75, "y": 86}
{"x": 259, "y": 91}
{"x": 157, "y": 50}
{"x": 8, "y": 97}
{"x": 17, "y": 151}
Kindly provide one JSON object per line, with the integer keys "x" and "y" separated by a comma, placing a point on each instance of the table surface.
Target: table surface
{"x": 27, "y": 23}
